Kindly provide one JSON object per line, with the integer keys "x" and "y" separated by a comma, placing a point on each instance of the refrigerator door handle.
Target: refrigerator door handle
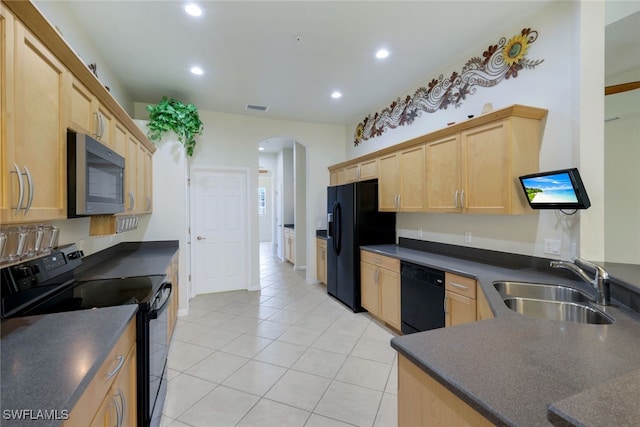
{"x": 337, "y": 218}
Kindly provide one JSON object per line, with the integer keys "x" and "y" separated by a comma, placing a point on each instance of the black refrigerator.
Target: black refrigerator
{"x": 353, "y": 220}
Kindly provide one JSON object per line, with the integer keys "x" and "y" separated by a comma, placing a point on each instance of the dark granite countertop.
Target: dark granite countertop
{"x": 512, "y": 368}
{"x": 290, "y": 226}
{"x": 48, "y": 360}
{"x": 128, "y": 259}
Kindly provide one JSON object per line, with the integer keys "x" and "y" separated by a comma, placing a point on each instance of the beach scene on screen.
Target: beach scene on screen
{"x": 550, "y": 189}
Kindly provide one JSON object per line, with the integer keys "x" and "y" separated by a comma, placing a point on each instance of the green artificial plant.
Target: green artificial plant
{"x": 171, "y": 114}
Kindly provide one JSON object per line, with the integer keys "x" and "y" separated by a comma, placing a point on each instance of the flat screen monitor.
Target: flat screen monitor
{"x": 560, "y": 189}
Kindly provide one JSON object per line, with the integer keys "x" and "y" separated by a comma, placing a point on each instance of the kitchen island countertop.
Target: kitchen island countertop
{"x": 512, "y": 368}
{"x": 48, "y": 360}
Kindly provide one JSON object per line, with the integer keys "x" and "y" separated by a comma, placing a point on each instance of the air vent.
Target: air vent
{"x": 256, "y": 107}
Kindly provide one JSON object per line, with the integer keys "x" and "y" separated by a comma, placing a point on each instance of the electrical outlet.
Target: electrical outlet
{"x": 420, "y": 232}
{"x": 467, "y": 237}
{"x": 552, "y": 246}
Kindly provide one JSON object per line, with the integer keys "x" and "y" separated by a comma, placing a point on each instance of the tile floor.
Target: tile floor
{"x": 286, "y": 356}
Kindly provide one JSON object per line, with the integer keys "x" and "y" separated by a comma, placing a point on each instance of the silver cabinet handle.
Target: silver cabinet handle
{"x": 203, "y": 238}
{"x": 117, "y": 368}
{"x": 101, "y": 124}
{"x": 31, "y": 190}
{"x": 118, "y": 412}
{"x": 20, "y": 187}
{"x": 123, "y": 407}
{"x": 462, "y": 199}
{"x": 445, "y": 303}
{"x": 132, "y": 201}
{"x": 459, "y": 286}
{"x": 97, "y": 132}
{"x": 455, "y": 199}
{"x": 148, "y": 203}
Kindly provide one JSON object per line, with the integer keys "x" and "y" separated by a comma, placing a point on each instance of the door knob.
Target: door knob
{"x": 201, "y": 238}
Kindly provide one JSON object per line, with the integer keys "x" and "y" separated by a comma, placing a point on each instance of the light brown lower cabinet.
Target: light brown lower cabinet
{"x": 422, "y": 401}
{"x": 111, "y": 394}
{"x": 459, "y": 300}
{"x": 380, "y": 287}
{"x": 321, "y": 260}
{"x": 172, "y": 276}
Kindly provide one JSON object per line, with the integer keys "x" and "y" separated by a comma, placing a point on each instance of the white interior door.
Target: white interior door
{"x": 219, "y": 230}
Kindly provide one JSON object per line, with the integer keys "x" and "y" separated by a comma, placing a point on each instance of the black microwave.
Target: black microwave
{"x": 95, "y": 177}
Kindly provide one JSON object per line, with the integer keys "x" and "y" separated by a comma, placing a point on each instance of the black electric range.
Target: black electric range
{"x": 47, "y": 285}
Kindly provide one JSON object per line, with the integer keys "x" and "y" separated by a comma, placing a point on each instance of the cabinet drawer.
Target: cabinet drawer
{"x": 85, "y": 409}
{"x": 382, "y": 261}
{"x": 460, "y": 285}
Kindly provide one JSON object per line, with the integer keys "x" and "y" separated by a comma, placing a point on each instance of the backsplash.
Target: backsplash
{"x": 76, "y": 230}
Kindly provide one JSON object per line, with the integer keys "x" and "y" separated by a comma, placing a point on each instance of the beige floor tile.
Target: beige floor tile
{"x": 240, "y": 324}
{"x": 275, "y": 301}
{"x": 336, "y": 343}
{"x": 171, "y": 374}
{"x": 376, "y": 331}
{"x": 350, "y": 403}
{"x": 216, "y": 338}
{"x": 222, "y": 407}
{"x": 183, "y": 357}
{"x": 287, "y": 316}
{"x": 260, "y": 312}
{"x": 319, "y": 362}
{"x": 255, "y": 377}
{"x": 281, "y": 354}
{"x": 316, "y": 420}
{"x": 188, "y": 331}
{"x": 350, "y": 324}
{"x": 213, "y": 319}
{"x": 236, "y": 308}
{"x": 388, "y": 411}
{"x": 316, "y": 321}
{"x": 268, "y": 329}
{"x": 300, "y": 336}
{"x": 299, "y": 389}
{"x": 365, "y": 373}
{"x": 392, "y": 382}
{"x": 194, "y": 313}
{"x": 267, "y": 413}
{"x": 217, "y": 367}
{"x": 246, "y": 345}
{"x": 183, "y": 392}
{"x": 379, "y": 351}
{"x": 177, "y": 423}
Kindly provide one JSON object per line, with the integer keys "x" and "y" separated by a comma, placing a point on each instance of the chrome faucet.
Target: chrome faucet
{"x": 600, "y": 282}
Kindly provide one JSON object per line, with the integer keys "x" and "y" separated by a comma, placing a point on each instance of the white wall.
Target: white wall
{"x": 232, "y": 140}
{"x": 553, "y": 85}
{"x": 622, "y": 177}
{"x": 59, "y": 15}
{"x": 300, "y": 207}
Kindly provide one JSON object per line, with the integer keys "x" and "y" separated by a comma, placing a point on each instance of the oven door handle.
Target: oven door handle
{"x": 163, "y": 301}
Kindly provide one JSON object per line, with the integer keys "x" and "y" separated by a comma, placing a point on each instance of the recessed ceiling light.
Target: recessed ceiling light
{"x": 260, "y": 148}
{"x": 197, "y": 71}
{"x": 382, "y": 53}
{"x": 193, "y": 9}
{"x": 336, "y": 95}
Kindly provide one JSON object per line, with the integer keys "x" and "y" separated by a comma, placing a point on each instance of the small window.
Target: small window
{"x": 262, "y": 201}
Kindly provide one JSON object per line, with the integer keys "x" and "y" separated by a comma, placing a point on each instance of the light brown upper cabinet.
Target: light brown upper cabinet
{"x": 470, "y": 167}
{"x": 34, "y": 104}
{"x": 401, "y": 180}
{"x": 361, "y": 171}
{"x": 476, "y": 171}
{"x": 89, "y": 116}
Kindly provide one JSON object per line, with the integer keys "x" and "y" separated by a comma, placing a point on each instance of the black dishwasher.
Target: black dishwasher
{"x": 422, "y": 298}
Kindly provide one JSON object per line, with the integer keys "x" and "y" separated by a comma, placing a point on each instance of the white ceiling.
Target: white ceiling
{"x": 250, "y": 52}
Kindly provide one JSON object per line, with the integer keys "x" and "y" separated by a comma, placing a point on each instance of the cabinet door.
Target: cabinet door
{"x": 369, "y": 288}
{"x": 412, "y": 180}
{"x": 458, "y": 309}
{"x": 119, "y": 138}
{"x": 486, "y": 177}
{"x": 131, "y": 202}
{"x": 369, "y": 169}
{"x": 144, "y": 174}
{"x": 82, "y": 118}
{"x": 7, "y": 87}
{"x": 119, "y": 406}
{"x": 141, "y": 197}
{"x": 443, "y": 164}
{"x": 388, "y": 182}
{"x": 104, "y": 120}
{"x": 482, "y": 306}
{"x": 36, "y": 133}
{"x": 390, "y": 297}
{"x": 321, "y": 260}
{"x": 351, "y": 173}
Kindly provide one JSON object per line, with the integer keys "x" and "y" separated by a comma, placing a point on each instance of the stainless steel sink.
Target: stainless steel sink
{"x": 540, "y": 291}
{"x": 558, "y": 310}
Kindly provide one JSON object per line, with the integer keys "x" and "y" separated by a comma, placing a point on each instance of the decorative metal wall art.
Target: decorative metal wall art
{"x": 500, "y": 61}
